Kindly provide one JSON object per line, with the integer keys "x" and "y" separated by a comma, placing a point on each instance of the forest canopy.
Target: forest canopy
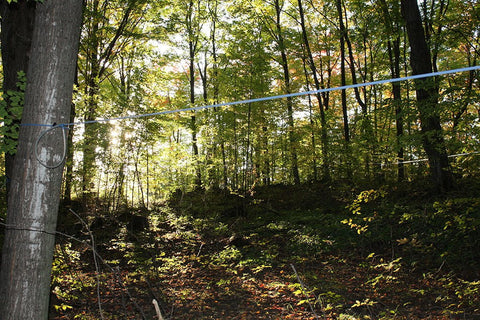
{"x": 138, "y": 57}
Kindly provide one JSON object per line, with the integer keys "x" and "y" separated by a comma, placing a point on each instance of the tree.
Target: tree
{"x": 427, "y": 92}
{"x": 34, "y": 197}
{"x": 246, "y": 72}
{"x": 343, "y": 82}
{"x": 214, "y": 17}
{"x": 16, "y": 37}
{"x": 186, "y": 19}
{"x": 316, "y": 81}
{"x": 108, "y": 28}
{"x": 278, "y": 35}
{"x": 192, "y": 27}
{"x": 346, "y": 40}
{"x": 393, "y": 48}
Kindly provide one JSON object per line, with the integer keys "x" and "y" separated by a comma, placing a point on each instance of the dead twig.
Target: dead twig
{"x": 304, "y": 292}
{"x": 157, "y": 309}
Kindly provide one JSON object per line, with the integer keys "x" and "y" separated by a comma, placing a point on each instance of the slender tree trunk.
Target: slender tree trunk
{"x": 192, "y": 47}
{"x": 99, "y": 55}
{"x": 67, "y": 194}
{"x": 265, "y": 155}
{"x": 216, "y": 94}
{"x": 148, "y": 178}
{"x": 467, "y": 95}
{"x": 286, "y": 75}
{"x": 90, "y": 140}
{"x": 394, "y": 54}
{"x": 35, "y": 192}
{"x": 312, "y": 123}
{"x": 139, "y": 182}
{"x": 211, "y": 176}
{"x": 90, "y": 136}
{"x": 216, "y": 91}
{"x": 346, "y": 128}
{"x": 248, "y": 160}
{"x": 235, "y": 152}
{"x": 325, "y": 80}
{"x": 323, "y": 121}
{"x": 119, "y": 195}
{"x": 351, "y": 58}
{"x": 16, "y": 37}
{"x": 394, "y": 57}
{"x": 365, "y": 119}
{"x": 427, "y": 98}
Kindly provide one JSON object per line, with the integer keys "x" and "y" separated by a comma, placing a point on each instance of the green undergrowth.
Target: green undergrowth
{"x": 289, "y": 252}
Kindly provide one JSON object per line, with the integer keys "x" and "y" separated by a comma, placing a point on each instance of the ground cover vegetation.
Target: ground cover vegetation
{"x": 360, "y": 203}
{"x": 282, "y": 252}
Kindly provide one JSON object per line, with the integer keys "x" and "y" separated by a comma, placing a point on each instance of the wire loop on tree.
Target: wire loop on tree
{"x": 64, "y": 138}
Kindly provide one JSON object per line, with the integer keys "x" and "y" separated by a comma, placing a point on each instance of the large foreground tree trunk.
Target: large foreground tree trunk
{"x": 34, "y": 195}
{"x": 427, "y": 98}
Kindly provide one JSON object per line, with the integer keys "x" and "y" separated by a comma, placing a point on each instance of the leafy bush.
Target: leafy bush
{"x": 457, "y": 236}
{"x": 433, "y": 232}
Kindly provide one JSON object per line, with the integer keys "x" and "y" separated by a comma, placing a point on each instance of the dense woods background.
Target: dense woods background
{"x": 377, "y": 184}
{"x": 138, "y": 58}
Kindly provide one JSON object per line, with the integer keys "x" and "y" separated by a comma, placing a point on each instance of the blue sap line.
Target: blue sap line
{"x": 295, "y": 94}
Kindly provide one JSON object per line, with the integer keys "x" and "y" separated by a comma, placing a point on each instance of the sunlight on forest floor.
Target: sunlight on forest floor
{"x": 272, "y": 262}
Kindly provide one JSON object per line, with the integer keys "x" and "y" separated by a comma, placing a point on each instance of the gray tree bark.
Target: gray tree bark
{"x": 35, "y": 191}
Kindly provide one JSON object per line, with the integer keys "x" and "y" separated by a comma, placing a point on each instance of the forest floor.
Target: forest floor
{"x": 280, "y": 253}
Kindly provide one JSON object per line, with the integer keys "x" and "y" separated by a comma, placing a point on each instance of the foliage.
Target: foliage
{"x": 365, "y": 198}
{"x": 11, "y": 108}
{"x": 439, "y": 232}
{"x": 454, "y": 229}
{"x": 142, "y": 59}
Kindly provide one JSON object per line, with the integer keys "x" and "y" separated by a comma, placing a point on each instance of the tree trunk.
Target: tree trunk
{"x": 351, "y": 58}
{"x": 323, "y": 121}
{"x": 427, "y": 98}
{"x": 192, "y": 47}
{"x": 248, "y": 160}
{"x": 35, "y": 191}
{"x": 92, "y": 88}
{"x": 236, "y": 146}
{"x": 312, "y": 127}
{"x": 266, "y": 155}
{"x": 346, "y": 128}
{"x": 90, "y": 140}
{"x": 16, "y": 37}
{"x": 98, "y": 58}
{"x": 394, "y": 54}
{"x": 346, "y": 38}
{"x": 216, "y": 92}
{"x": 286, "y": 75}
{"x": 392, "y": 28}
{"x": 67, "y": 194}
